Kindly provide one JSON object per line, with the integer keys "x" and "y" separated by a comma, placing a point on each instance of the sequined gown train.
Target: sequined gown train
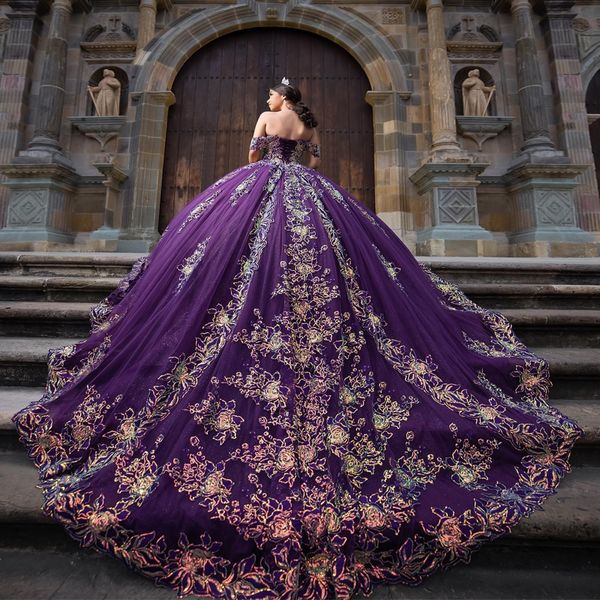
{"x": 279, "y": 402}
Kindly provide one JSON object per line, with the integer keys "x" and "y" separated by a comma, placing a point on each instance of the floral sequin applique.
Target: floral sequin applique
{"x": 190, "y": 263}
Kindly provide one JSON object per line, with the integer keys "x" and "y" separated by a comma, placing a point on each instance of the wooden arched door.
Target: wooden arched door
{"x": 221, "y": 90}
{"x": 592, "y": 104}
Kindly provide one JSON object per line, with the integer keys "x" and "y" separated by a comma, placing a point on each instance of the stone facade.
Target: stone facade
{"x": 518, "y": 180}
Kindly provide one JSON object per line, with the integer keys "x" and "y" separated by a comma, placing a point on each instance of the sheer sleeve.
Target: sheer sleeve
{"x": 314, "y": 149}
{"x": 257, "y": 143}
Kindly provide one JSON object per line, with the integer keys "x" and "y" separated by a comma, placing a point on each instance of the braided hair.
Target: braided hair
{"x": 293, "y": 95}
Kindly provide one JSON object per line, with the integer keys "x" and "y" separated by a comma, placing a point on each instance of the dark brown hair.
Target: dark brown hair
{"x": 293, "y": 95}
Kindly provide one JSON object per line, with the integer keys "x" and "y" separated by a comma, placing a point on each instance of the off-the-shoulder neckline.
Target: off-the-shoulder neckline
{"x": 272, "y": 135}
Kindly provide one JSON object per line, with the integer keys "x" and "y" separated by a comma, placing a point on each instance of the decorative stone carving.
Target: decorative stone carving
{"x": 106, "y": 95}
{"x": 28, "y": 208}
{"x": 101, "y": 129}
{"x": 467, "y": 41}
{"x": 457, "y": 206}
{"x": 476, "y": 95}
{"x": 113, "y": 41}
{"x": 581, "y": 24}
{"x": 482, "y": 129}
{"x": 392, "y": 15}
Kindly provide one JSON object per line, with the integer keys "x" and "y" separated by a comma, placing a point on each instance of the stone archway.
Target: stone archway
{"x": 229, "y": 79}
{"x": 592, "y": 105}
{"x": 162, "y": 59}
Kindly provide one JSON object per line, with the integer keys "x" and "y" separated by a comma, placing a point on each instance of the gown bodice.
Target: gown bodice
{"x": 285, "y": 150}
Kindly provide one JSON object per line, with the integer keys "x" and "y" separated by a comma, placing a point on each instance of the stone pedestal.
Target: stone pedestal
{"x": 39, "y": 209}
{"x": 391, "y": 145}
{"x": 106, "y": 238}
{"x": 450, "y": 190}
{"x": 545, "y": 217}
{"x": 145, "y": 174}
{"x": 481, "y": 129}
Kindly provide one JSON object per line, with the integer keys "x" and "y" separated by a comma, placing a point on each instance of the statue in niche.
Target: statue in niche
{"x": 476, "y": 95}
{"x": 106, "y": 95}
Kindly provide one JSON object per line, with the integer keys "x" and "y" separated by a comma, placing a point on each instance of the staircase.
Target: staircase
{"x": 554, "y": 305}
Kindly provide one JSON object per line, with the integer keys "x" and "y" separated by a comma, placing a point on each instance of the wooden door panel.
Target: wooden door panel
{"x": 223, "y": 88}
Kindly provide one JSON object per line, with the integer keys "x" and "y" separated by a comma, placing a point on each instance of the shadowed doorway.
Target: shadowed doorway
{"x": 221, "y": 90}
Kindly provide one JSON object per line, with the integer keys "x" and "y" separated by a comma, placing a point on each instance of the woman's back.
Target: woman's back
{"x": 287, "y": 124}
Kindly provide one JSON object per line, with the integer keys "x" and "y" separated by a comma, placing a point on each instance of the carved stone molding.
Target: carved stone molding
{"x": 587, "y": 43}
{"x": 481, "y": 129}
{"x": 101, "y": 129}
{"x": 101, "y": 52}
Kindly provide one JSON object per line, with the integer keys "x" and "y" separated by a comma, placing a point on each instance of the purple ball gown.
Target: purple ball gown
{"x": 280, "y": 402}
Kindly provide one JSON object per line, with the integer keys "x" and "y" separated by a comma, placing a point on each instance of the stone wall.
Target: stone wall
{"x": 518, "y": 180}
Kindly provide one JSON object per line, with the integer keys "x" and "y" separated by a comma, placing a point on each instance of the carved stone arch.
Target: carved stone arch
{"x": 489, "y": 33}
{"x": 592, "y": 105}
{"x": 590, "y": 66}
{"x": 93, "y": 32}
{"x": 162, "y": 59}
{"x": 167, "y": 53}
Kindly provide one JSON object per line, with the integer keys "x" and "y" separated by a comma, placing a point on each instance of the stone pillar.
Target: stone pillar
{"x": 448, "y": 178}
{"x": 146, "y": 24}
{"x": 391, "y": 145}
{"x": 441, "y": 90}
{"x": 106, "y": 237}
{"x": 534, "y": 117}
{"x": 49, "y": 113}
{"x": 15, "y": 83}
{"x": 145, "y": 173}
{"x": 541, "y": 180}
{"x": 41, "y": 179}
{"x": 569, "y": 104}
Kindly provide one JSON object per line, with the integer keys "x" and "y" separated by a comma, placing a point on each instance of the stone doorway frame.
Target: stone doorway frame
{"x": 161, "y": 60}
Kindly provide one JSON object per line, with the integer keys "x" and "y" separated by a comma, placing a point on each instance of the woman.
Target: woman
{"x": 279, "y": 402}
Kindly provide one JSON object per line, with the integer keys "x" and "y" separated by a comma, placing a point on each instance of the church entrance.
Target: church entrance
{"x": 592, "y": 105}
{"x": 221, "y": 90}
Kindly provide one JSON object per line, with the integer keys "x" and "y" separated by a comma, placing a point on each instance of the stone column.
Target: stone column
{"x": 49, "y": 113}
{"x": 392, "y": 143}
{"x": 145, "y": 173}
{"x": 15, "y": 83}
{"x": 441, "y": 91}
{"x": 447, "y": 179}
{"x": 542, "y": 179}
{"x": 147, "y": 23}
{"x": 569, "y": 104}
{"x": 534, "y": 117}
{"x": 41, "y": 180}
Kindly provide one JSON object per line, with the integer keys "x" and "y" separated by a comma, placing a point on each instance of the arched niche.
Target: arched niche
{"x": 97, "y": 76}
{"x": 487, "y": 79}
{"x": 592, "y": 105}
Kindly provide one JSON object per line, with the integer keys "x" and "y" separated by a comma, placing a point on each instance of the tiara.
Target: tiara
{"x": 285, "y": 81}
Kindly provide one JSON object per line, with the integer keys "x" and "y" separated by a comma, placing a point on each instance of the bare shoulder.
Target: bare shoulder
{"x": 315, "y": 139}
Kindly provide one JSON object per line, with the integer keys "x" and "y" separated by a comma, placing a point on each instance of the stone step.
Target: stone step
{"x": 541, "y": 327}
{"x": 505, "y": 270}
{"x": 555, "y": 327}
{"x": 55, "y": 288}
{"x": 575, "y": 371}
{"x": 52, "y": 319}
{"x": 460, "y": 269}
{"x": 573, "y": 514}
{"x": 23, "y": 359}
{"x": 98, "y": 264}
{"x": 491, "y": 295}
{"x": 500, "y": 570}
{"x": 503, "y": 296}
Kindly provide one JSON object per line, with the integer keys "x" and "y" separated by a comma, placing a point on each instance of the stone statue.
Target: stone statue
{"x": 476, "y": 95}
{"x": 106, "y": 95}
